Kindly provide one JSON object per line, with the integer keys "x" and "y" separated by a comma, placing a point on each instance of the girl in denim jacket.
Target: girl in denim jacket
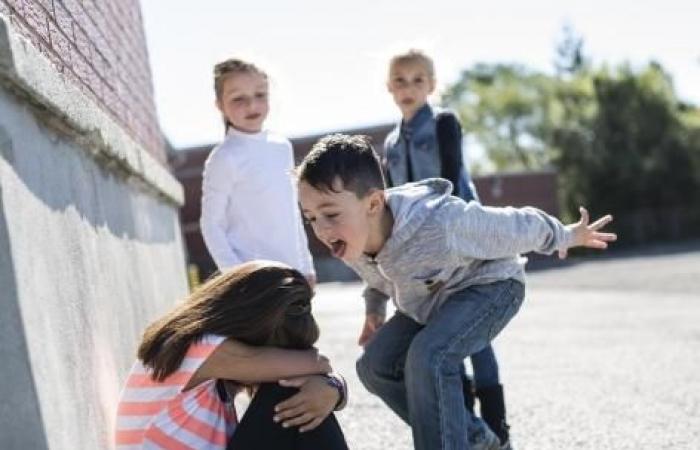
{"x": 427, "y": 143}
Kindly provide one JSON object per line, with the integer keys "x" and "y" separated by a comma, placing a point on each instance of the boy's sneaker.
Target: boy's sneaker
{"x": 489, "y": 442}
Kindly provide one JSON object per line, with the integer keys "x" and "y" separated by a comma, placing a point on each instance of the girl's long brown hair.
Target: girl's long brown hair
{"x": 256, "y": 303}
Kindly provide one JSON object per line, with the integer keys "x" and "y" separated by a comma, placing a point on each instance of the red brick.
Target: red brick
{"x": 98, "y": 45}
{"x": 63, "y": 19}
{"x": 55, "y": 59}
{"x": 17, "y": 6}
{"x": 60, "y": 44}
{"x": 20, "y": 26}
{"x": 37, "y": 19}
{"x": 99, "y": 62}
{"x": 82, "y": 42}
{"x": 47, "y": 5}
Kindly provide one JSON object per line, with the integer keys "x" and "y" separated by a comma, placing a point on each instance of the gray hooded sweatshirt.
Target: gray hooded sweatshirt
{"x": 440, "y": 245}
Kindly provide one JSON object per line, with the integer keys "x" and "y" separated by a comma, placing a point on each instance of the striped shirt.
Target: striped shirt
{"x": 159, "y": 415}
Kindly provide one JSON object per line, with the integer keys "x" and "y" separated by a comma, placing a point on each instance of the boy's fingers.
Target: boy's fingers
{"x": 364, "y": 338}
{"x": 584, "y": 215}
{"x": 562, "y": 254}
{"x": 608, "y": 237}
{"x": 597, "y": 244}
{"x": 600, "y": 223}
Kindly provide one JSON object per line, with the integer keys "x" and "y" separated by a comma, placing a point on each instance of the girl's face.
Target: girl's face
{"x": 410, "y": 84}
{"x": 244, "y": 101}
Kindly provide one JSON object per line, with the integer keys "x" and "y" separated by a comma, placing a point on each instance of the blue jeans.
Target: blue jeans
{"x": 416, "y": 369}
{"x": 485, "y": 368}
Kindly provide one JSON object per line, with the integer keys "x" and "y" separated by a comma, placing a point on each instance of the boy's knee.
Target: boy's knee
{"x": 363, "y": 367}
{"x": 370, "y": 369}
{"x": 421, "y": 365}
{"x": 425, "y": 361}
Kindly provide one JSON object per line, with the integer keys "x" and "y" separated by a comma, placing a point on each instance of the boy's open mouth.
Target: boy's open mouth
{"x": 338, "y": 248}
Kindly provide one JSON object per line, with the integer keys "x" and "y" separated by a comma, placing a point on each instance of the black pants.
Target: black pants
{"x": 257, "y": 430}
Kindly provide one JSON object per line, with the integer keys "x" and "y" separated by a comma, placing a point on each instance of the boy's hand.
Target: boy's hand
{"x": 373, "y": 322}
{"x": 587, "y": 235}
{"x": 310, "y": 406}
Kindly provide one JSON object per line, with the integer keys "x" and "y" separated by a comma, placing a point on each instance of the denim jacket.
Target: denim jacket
{"x": 425, "y": 160}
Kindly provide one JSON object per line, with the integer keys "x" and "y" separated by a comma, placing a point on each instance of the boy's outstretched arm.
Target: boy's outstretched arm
{"x": 587, "y": 235}
{"x": 482, "y": 232}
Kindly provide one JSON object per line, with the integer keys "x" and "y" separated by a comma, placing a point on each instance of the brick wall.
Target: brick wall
{"x": 101, "y": 47}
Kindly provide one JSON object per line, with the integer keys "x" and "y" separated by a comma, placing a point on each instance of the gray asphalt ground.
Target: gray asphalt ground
{"x": 604, "y": 354}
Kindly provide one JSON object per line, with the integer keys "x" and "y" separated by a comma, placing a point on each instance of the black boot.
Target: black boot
{"x": 468, "y": 389}
{"x": 493, "y": 410}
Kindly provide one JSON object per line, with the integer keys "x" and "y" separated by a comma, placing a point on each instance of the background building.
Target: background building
{"x": 90, "y": 241}
{"x": 514, "y": 189}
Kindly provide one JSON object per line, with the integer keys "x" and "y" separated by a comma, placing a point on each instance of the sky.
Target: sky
{"x": 327, "y": 59}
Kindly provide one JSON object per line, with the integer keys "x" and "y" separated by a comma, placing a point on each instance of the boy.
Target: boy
{"x": 452, "y": 269}
{"x": 427, "y": 143}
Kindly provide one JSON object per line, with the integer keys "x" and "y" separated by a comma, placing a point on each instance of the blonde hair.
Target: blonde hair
{"x": 230, "y": 67}
{"x": 414, "y": 56}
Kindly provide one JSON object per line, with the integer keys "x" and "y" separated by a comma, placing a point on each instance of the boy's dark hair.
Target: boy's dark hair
{"x": 350, "y": 158}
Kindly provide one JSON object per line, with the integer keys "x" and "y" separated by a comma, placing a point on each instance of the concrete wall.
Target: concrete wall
{"x": 90, "y": 252}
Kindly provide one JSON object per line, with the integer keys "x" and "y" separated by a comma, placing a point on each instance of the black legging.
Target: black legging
{"x": 257, "y": 430}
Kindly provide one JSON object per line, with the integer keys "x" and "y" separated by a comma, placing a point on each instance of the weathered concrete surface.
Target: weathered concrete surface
{"x": 605, "y": 354}
{"x": 90, "y": 252}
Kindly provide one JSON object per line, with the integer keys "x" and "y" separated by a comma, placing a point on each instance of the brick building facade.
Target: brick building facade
{"x": 100, "y": 47}
{"x": 515, "y": 189}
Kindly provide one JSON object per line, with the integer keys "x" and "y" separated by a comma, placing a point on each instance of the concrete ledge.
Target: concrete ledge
{"x": 27, "y": 73}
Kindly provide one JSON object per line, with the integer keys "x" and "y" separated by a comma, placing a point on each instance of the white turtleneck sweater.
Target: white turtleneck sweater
{"x": 250, "y": 204}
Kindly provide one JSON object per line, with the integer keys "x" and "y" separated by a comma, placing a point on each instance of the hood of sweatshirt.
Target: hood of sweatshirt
{"x": 411, "y": 204}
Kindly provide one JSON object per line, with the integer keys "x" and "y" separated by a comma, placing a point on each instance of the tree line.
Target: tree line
{"x": 618, "y": 136}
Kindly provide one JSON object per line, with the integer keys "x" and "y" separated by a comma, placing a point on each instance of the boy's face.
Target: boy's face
{"x": 339, "y": 219}
{"x": 410, "y": 84}
{"x": 244, "y": 101}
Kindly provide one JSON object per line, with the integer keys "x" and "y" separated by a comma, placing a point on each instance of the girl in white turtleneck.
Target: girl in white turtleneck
{"x": 249, "y": 198}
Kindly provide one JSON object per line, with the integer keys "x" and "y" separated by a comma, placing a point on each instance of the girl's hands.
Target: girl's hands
{"x": 310, "y": 406}
{"x": 373, "y": 322}
{"x": 587, "y": 235}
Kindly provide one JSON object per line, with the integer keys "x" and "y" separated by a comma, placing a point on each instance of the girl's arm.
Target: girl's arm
{"x": 233, "y": 360}
{"x": 216, "y": 191}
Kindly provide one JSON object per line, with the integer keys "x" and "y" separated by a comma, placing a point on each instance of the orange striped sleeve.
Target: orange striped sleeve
{"x": 197, "y": 427}
{"x": 128, "y": 437}
{"x": 141, "y": 408}
{"x": 162, "y": 440}
{"x": 201, "y": 350}
{"x": 139, "y": 380}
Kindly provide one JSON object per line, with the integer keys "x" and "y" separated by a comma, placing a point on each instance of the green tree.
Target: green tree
{"x": 619, "y": 137}
{"x": 506, "y": 108}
